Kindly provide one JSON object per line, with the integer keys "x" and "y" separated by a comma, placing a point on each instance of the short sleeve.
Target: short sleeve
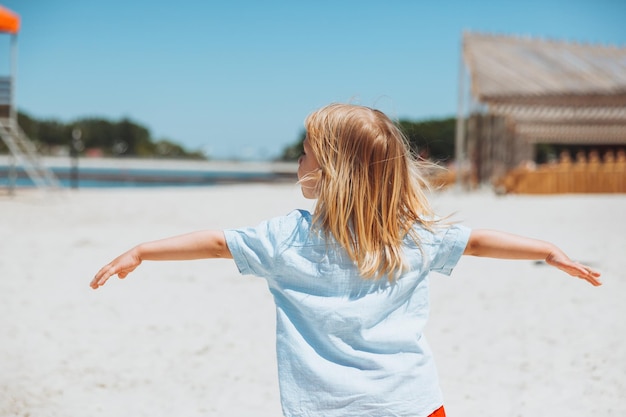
{"x": 256, "y": 249}
{"x": 450, "y": 249}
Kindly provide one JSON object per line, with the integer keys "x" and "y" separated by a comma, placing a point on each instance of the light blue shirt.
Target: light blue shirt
{"x": 347, "y": 346}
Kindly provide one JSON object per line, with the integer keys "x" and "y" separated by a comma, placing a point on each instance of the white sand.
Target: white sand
{"x": 511, "y": 338}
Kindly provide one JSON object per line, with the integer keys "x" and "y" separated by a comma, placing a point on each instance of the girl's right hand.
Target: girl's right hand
{"x": 120, "y": 266}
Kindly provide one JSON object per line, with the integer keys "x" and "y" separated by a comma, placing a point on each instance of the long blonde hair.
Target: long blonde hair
{"x": 370, "y": 191}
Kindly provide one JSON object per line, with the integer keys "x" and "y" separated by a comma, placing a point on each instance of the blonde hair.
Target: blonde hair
{"x": 370, "y": 192}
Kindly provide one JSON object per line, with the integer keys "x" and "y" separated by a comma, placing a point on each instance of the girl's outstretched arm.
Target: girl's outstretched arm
{"x": 196, "y": 245}
{"x": 494, "y": 244}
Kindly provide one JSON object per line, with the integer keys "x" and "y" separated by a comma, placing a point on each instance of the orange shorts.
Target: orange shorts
{"x": 440, "y": 412}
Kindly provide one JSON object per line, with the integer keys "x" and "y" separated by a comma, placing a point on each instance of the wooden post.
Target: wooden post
{"x": 12, "y": 113}
{"x": 13, "y": 76}
{"x": 459, "y": 142}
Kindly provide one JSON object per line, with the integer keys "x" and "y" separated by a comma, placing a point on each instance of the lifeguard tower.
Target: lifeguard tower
{"x": 22, "y": 152}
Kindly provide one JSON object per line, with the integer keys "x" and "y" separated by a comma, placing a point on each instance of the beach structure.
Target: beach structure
{"x": 23, "y": 152}
{"x": 518, "y": 92}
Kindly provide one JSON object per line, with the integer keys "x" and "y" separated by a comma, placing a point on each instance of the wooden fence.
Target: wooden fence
{"x": 586, "y": 174}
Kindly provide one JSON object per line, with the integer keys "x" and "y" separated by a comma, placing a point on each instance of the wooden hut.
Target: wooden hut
{"x": 527, "y": 91}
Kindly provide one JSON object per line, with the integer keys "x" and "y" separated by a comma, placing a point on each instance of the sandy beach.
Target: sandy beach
{"x": 511, "y": 338}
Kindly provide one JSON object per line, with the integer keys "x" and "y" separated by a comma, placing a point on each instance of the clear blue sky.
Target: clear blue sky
{"x": 237, "y": 78}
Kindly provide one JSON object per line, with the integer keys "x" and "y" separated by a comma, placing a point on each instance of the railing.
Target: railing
{"x": 584, "y": 175}
{"x": 25, "y": 155}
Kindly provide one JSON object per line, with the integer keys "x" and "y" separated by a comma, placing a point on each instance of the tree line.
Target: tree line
{"x": 430, "y": 139}
{"x": 100, "y": 137}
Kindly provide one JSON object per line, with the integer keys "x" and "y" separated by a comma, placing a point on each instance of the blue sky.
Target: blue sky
{"x": 237, "y": 78}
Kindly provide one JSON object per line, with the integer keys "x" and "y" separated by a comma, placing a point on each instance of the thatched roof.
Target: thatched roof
{"x": 552, "y": 91}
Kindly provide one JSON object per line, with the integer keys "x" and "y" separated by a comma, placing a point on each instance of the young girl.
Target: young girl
{"x": 350, "y": 280}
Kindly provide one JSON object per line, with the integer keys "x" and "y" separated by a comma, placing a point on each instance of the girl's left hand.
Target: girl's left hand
{"x": 575, "y": 269}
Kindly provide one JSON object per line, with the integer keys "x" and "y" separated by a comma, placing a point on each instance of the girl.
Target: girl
{"x": 350, "y": 280}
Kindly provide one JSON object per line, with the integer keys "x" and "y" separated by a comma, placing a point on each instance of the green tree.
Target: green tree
{"x": 97, "y": 133}
{"x": 136, "y": 139}
{"x": 431, "y": 139}
{"x": 293, "y": 151}
{"x": 125, "y": 137}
